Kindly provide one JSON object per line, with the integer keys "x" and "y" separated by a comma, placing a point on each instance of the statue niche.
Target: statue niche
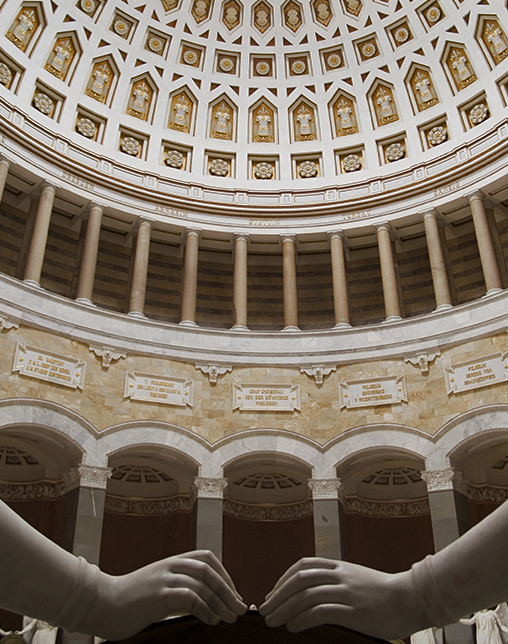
{"x": 180, "y": 112}
{"x": 140, "y": 99}
{"x": 100, "y": 80}
{"x": 460, "y": 68}
{"x": 222, "y": 120}
{"x": 23, "y": 28}
{"x": 495, "y": 39}
{"x": 304, "y": 123}
{"x": 61, "y": 57}
{"x": 385, "y": 108}
{"x": 263, "y": 124}
{"x": 423, "y": 89}
{"x": 344, "y": 116}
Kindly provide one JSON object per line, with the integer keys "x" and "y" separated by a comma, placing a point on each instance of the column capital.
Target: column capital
{"x": 93, "y": 205}
{"x": 48, "y": 185}
{"x": 325, "y": 488}
{"x": 6, "y": 162}
{"x": 383, "y": 225}
{"x": 193, "y": 232}
{"x": 288, "y": 237}
{"x": 144, "y": 221}
{"x": 208, "y": 488}
{"x": 241, "y": 237}
{"x": 446, "y": 479}
{"x": 431, "y": 213}
{"x": 87, "y": 476}
{"x": 477, "y": 194}
{"x": 335, "y": 234}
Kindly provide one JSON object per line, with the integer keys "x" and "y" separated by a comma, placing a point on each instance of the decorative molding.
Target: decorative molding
{"x": 32, "y": 491}
{"x": 6, "y": 324}
{"x": 214, "y": 371}
{"x": 148, "y": 507}
{"x": 325, "y": 488}
{"x": 208, "y": 488}
{"x": 447, "y": 479}
{"x": 87, "y": 476}
{"x": 487, "y": 494}
{"x": 252, "y": 512}
{"x": 318, "y": 372}
{"x": 423, "y": 361}
{"x": 386, "y": 509}
{"x": 107, "y": 354}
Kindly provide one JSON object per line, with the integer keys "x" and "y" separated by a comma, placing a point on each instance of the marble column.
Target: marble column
{"x": 190, "y": 278}
{"x": 240, "y": 283}
{"x": 339, "y": 280}
{"x": 89, "y": 258}
{"x": 388, "y": 273}
{"x": 437, "y": 262}
{"x": 136, "y": 307}
{"x": 37, "y": 248}
{"x": 208, "y": 514}
{"x": 27, "y": 234}
{"x": 449, "y": 512}
{"x": 82, "y": 521}
{"x": 289, "y": 283}
{"x": 328, "y": 518}
{"x": 488, "y": 258}
{"x": 4, "y": 171}
{"x": 496, "y": 241}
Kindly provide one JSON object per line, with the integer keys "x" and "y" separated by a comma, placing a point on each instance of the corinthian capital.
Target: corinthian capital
{"x": 325, "y": 488}
{"x": 208, "y": 488}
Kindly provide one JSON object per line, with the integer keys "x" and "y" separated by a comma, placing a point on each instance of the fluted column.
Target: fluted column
{"x": 388, "y": 274}
{"x": 4, "y": 171}
{"x": 437, "y": 262}
{"x": 339, "y": 280}
{"x": 449, "y": 513}
{"x": 240, "y": 283}
{"x": 89, "y": 258}
{"x": 35, "y": 259}
{"x": 208, "y": 514}
{"x": 289, "y": 283}
{"x": 139, "y": 275}
{"x": 190, "y": 278}
{"x": 485, "y": 246}
{"x": 328, "y": 517}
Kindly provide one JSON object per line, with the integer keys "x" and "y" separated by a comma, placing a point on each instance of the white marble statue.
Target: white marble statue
{"x": 466, "y": 576}
{"x": 428, "y": 636}
{"x": 41, "y": 579}
{"x": 488, "y": 626}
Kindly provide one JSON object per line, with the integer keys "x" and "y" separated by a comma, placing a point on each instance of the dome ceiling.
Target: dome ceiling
{"x": 260, "y": 93}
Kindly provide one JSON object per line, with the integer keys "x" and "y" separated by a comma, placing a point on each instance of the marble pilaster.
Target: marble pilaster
{"x": 208, "y": 514}
{"x": 328, "y": 518}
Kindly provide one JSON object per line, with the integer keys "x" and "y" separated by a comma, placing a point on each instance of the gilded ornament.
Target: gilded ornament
{"x": 401, "y": 34}
{"x": 5, "y": 75}
{"x": 304, "y": 123}
{"x": 23, "y": 29}
{"x": 351, "y": 163}
{"x": 86, "y": 127}
{"x": 298, "y": 67}
{"x": 231, "y": 14}
{"x": 433, "y": 14}
{"x": 478, "y": 113}
{"x": 262, "y": 17}
{"x": 262, "y": 123}
{"x": 99, "y": 82}
{"x": 368, "y": 49}
{"x": 461, "y": 68}
{"x": 190, "y": 57}
{"x": 323, "y": 12}
{"x": 200, "y": 10}
{"x": 121, "y": 27}
{"x": 262, "y": 68}
{"x": 174, "y": 159}
{"x": 386, "y": 111}
{"x": 88, "y": 6}
{"x": 181, "y": 113}
{"x": 334, "y": 60}
{"x": 44, "y": 103}
{"x": 308, "y": 169}
{"x": 437, "y": 135}
{"x": 353, "y": 6}
{"x": 496, "y": 41}
{"x": 394, "y": 152}
{"x": 155, "y": 44}
{"x": 140, "y": 100}
{"x": 263, "y": 170}
{"x": 345, "y": 120}
{"x": 61, "y": 58}
{"x": 221, "y": 124}
{"x": 219, "y": 167}
{"x": 292, "y": 16}
{"x": 131, "y": 146}
{"x": 227, "y": 64}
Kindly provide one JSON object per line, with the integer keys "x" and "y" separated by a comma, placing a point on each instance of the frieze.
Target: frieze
{"x": 32, "y": 491}
{"x": 77, "y": 181}
{"x": 487, "y": 494}
{"x": 286, "y": 512}
{"x": 446, "y": 189}
{"x": 264, "y": 222}
{"x": 387, "y": 509}
{"x": 148, "y": 507}
{"x": 357, "y": 215}
{"x": 165, "y": 210}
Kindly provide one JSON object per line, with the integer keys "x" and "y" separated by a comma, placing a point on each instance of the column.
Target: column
{"x": 208, "y": 514}
{"x": 190, "y": 278}
{"x": 37, "y": 248}
{"x": 240, "y": 283}
{"x": 339, "y": 280}
{"x": 27, "y": 234}
{"x": 89, "y": 258}
{"x": 139, "y": 275}
{"x": 289, "y": 283}
{"x": 328, "y": 518}
{"x": 449, "y": 512}
{"x": 485, "y": 245}
{"x": 4, "y": 171}
{"x": 388, "y": 274}
{"x": 496, "y": 241}
{"x": 437, "y": 262}
{"x": 82, "y": 521}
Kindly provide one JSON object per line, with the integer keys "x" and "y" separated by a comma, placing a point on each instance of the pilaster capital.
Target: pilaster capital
{"x": 335, "y": 234}
{"x": 208, "y": 488}
{"x": 325, "y": 488}
{"x": 446, "y": 479}
{"x": 87, "y": 476}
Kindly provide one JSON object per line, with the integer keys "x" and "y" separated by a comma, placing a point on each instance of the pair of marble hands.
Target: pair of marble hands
{"x": 39, "y": 578}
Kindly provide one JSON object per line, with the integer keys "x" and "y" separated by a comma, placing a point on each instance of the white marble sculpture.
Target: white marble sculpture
{"x": 488, "y": 626}
{"x": 428, "y": 636}
{"x": 39, "y": 578}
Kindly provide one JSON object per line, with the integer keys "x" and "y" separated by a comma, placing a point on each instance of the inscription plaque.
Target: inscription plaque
{"x": 477, "y": 373}
{"x": 158, "y": 389}
{"x": 375, "y": 391}
{"x": 266, "y": 397}
{"x": 48, "y": 366}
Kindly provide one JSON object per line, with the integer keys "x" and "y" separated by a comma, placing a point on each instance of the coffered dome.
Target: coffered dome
{"x": 211, "y": 98}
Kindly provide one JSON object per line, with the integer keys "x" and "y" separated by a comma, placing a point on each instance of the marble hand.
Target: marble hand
{"x": 319, "y": 591}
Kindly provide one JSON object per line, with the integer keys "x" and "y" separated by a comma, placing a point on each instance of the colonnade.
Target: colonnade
{"x": 491, "y": 256}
